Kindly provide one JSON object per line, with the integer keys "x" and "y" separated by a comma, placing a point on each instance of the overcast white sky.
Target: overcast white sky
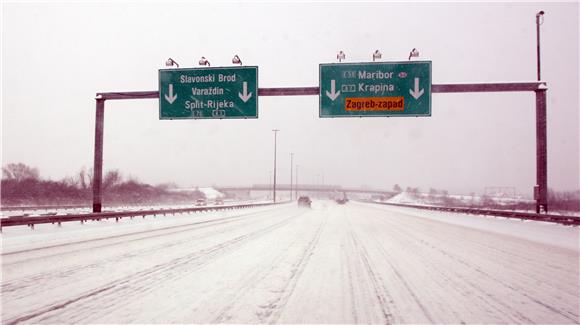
{"x": 56, "y": 56}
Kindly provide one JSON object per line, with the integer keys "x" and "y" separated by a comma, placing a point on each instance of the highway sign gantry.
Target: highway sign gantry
{"x": 375, "y": 89}
{"x": 208, "y": 93}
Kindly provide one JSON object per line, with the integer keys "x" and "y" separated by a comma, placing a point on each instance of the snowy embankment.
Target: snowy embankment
{"x": 497, "y": 203}
{"x": 353, "y": 263}
{"x": 437, "y": 199}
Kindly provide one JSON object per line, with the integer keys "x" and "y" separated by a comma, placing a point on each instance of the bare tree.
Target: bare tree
{"x": 112, "y": 178}
{"x": 82, "y": 178}
{"x": 413, "y": 191}
{"x": 19, "y": 172}
{"x": 71, "y": 181}
{"x": 397, "y": 188}
{"x": 85, "y": 178}
{"x": 487, "y": 201}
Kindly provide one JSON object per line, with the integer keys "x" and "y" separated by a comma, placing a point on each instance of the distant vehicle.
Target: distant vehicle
{"x": 200, "y": 202}
{"x": 219, "y": 201}
{"x": 341, "y": 201}
{"x": 304, "y": 201}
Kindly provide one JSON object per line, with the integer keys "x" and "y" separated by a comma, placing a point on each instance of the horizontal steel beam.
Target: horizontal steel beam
{"x": 294, "y": 91}
{"x": 129, "y": 95}
{"x": 314, "y": 91}
{"x": 489, "y": 87}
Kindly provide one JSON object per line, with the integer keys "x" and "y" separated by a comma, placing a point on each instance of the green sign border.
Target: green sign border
{"x": 386, "y": 114}
{"x": 210, "y": 117}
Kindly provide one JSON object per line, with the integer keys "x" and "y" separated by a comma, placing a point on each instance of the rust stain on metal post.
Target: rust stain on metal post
{"x": 541, "y": 151}
{"x": 98, "y": 163}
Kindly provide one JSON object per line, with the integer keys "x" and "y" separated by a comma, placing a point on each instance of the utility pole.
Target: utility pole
{"x": 291, "y": 168}
{"x": 323, "y": 188}
{"x": 270, "y": 182}
{"x": 296, "y": 188}
{"x": 275, "y": 134}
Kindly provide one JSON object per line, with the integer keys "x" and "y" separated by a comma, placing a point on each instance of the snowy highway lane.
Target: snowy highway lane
{"x": 353, "y": 263}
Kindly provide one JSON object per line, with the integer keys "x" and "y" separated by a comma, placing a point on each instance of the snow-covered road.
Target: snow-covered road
{"x": 353, "y": 263}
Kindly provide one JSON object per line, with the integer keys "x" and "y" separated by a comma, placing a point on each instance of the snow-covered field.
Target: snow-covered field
{"x": 353, "y": 263}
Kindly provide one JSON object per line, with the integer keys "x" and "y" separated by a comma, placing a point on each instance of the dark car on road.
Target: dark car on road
{"x": 304, "y": 201}
{"x": 342, "y": 200}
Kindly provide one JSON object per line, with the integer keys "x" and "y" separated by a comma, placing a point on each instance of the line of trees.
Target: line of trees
{"x": 564, "y": 201}
{"x": 22, "y": 185}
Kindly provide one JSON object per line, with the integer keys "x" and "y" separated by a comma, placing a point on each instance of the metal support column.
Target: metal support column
{"x": 98, "y": 163}
{"x": 296, "y": 186}
{"x": 541, "y": 192}
{"x": 291, "y": 176}
{"x": 275, "y": 133}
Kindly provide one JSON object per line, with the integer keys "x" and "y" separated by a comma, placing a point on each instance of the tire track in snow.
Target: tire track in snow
{"x": 457, "y": 281}
{"x": 511, "y": 244}
{"x": 35, "y": 280}
{"x": 272, "y": 310}
{"x": 491, "y": 301}
{"x": 250, "y": 281}
{"x": 125, "y": 235}
{"x": 346, "y": 253}
{"x": 381, "y": 293}
{"x": 504, "y": 253}
{"x": 514, "y": 288}
{"x": 143, "y": 281}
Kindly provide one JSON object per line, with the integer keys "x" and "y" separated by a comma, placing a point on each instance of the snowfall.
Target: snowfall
{"x": 352, "y": 263}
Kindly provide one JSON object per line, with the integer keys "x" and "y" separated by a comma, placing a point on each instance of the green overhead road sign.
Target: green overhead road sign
{"x": 375, "y": 89}
{"x": 208, "y": 93}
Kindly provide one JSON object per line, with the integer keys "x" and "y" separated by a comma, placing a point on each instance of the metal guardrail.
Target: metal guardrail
{"x": 30, "y": 221}
{"x": 562, "y": 219}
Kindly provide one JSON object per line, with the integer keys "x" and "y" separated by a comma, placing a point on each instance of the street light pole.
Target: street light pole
{"x": 270, "y": 181}
{"x": 538, "y": 23}
{"x": 296, "y": 188}
{"x": 275, "y": 134}
{"x": 291, "y": 168}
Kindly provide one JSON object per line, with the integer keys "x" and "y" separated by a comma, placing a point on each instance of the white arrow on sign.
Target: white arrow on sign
{"x": 171, "y": 98}
{"x": 245, "y": 96}
{"x": 333, "y": 94}
{"x": 416, "y": 93}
